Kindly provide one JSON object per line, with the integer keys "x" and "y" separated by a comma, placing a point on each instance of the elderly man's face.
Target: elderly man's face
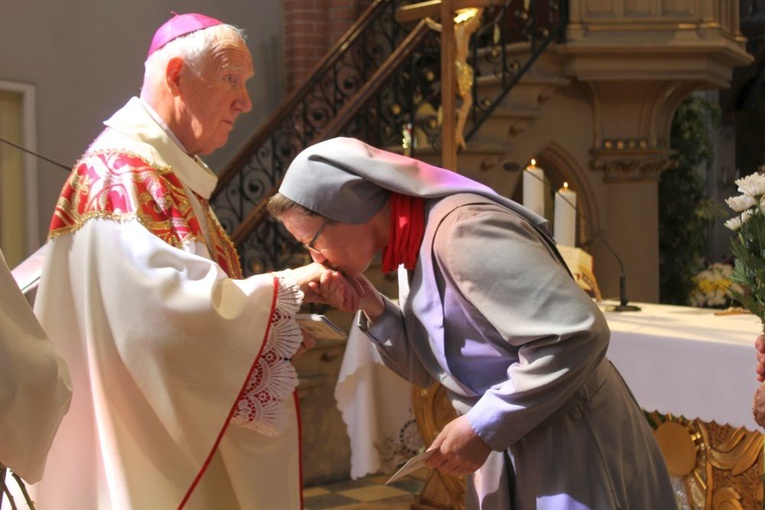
{"x": 214, "y": 99}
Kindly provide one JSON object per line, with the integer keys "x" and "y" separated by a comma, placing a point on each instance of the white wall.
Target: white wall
{"x": 85, "y": 59}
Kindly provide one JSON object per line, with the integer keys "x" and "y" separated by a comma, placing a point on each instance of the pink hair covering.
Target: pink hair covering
{"x": 178, "y": 25}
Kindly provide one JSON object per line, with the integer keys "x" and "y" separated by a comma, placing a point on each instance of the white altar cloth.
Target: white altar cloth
{"x": 375, "y": 404}
{"x": 687, "y": 361}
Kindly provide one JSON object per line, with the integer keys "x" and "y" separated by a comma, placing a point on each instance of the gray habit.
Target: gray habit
{"x": 493, "y": 314}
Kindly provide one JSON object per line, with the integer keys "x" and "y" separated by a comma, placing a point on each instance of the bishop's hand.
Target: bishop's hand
{"x": 349, "y": 293}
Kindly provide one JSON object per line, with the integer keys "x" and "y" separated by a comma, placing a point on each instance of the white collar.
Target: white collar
{"x": 139, "y": 121}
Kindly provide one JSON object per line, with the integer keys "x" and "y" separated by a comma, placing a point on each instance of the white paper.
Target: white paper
{"x": 412, "y": 465}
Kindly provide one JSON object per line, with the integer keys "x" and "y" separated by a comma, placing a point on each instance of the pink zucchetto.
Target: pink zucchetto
{"x": 178, "y": 25}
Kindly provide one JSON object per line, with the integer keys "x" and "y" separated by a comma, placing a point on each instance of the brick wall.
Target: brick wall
{"x": 311, "y": 27}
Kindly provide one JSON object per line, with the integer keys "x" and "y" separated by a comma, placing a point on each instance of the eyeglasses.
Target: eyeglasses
{"x": 310, "y": 245}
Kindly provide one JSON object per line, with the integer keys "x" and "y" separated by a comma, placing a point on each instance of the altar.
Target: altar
{"x": 692, "y": 362}
{"x": 692, "y": 370}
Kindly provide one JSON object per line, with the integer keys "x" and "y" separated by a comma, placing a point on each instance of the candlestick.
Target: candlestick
{"x": 534, "y": 189}
{"x": 565, "y": 216}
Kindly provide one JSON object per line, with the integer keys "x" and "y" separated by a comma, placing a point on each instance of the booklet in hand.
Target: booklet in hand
{"x": 412, "y": 465}
{"x": 319, "y": 327}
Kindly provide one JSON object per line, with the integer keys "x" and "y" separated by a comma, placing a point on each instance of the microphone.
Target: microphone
{"x": 623, "y": 305}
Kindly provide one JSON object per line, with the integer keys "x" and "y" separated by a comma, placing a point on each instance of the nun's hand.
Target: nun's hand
{"x": 348, "y": 293}
{"x": 370, "y": 299}
{"x": 364, "y": 296}
{"x": 334, "y": 289}
{"x": 459, "y": 450}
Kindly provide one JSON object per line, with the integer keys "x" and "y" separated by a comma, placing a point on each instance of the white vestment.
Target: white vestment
{"x": 183, "y": 390}
{"x": 34, "y": 384}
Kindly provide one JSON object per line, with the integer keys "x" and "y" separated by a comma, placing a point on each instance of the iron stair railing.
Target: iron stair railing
{"x": 258, "y": 166}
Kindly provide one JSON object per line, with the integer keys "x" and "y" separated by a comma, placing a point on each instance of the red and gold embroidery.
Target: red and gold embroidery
{"x": 119, "y": 186}
{"x": 224, "y": 251}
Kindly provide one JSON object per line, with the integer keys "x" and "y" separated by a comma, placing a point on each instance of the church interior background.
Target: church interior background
{"x": 591, "y": 90}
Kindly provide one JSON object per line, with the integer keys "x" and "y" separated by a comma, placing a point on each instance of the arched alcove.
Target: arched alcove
{"x": 560, "y": 166}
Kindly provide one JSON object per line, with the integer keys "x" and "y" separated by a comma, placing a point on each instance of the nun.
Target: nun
{"x": 544, "y": 421}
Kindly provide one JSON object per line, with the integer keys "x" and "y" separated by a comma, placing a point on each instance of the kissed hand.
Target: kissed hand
{"x": 349, "y": 293}
{"x": 306, "y": 276}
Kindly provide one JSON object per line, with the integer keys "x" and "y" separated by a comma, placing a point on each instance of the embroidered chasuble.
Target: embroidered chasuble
{"x": 184, "y": 396}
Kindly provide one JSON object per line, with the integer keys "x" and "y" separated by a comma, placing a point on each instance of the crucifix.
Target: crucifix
{"x": 445, "y": 11}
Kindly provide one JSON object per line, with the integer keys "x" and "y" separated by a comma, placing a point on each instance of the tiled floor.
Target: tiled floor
{"x": 369, "y": 493}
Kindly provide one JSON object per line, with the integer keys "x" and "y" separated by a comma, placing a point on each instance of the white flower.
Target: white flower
{"x": 736, "y": 222}
{"x": 746, "y": 245}
{"x": 753, "y": 185}
{"x": 741, "y": 202}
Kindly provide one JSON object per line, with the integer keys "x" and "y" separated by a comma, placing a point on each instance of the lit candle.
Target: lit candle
{"x": 534, "y": 189}
{"x": 564, "y": 222}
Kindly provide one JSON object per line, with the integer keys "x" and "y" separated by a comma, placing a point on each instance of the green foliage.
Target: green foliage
{"x": 748, "y": 246}
{"x": 685, "y": 212}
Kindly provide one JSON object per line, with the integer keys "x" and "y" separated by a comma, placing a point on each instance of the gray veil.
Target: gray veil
{"x": 348, "y": 181}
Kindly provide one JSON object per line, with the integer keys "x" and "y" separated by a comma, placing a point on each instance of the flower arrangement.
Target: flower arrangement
{"x": 748, "y": 244}
{"x": 714, "y": 287}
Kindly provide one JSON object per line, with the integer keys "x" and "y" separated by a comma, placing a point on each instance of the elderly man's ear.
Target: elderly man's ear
{"x": 173, "y": 74}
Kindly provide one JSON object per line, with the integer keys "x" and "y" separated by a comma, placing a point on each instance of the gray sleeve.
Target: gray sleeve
{"x": 528, "y": 296}
{"x": 390, "y": 339}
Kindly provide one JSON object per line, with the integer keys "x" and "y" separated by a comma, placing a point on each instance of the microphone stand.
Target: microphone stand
{"x": 22, "y": 149}
{"x": 623, "y": 305}
{"x": 27, "y": 273}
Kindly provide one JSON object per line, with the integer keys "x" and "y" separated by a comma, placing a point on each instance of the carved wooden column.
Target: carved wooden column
{"x": 631, "y": 149}
{"x": 638, "y": 76}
